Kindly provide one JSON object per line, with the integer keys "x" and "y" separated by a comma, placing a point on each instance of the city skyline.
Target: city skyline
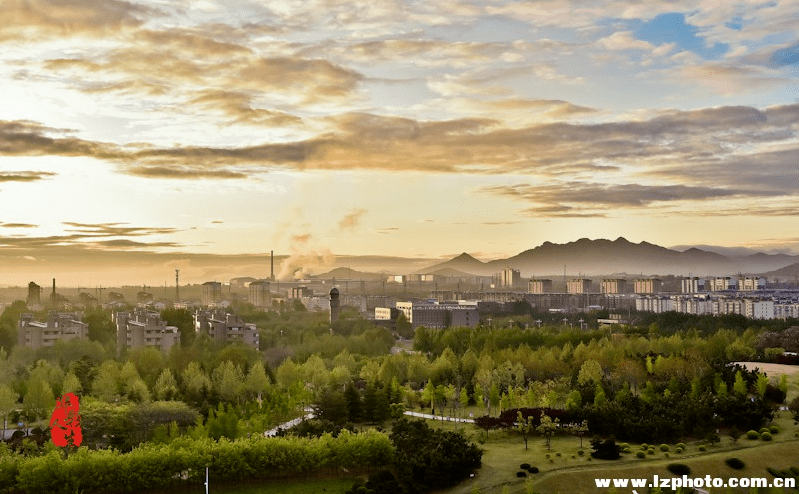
{"x": 156, "y": 132}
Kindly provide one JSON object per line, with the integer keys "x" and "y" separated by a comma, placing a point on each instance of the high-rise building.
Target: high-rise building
{"x": 612, "y": 286}
{"x": 647, "y": 285}
{"x": 260, "y": 295}
{"x": 211, "y": 292}
{"x": 539, "y": 286}
{"x": 334, "y": 305}
{"x": 578, "y": 285}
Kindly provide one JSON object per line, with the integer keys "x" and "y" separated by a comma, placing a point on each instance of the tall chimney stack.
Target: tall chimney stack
{"x": 272, "y": 275}
{"x": 177, "y": 285}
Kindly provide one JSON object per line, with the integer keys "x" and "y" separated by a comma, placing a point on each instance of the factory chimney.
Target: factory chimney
{"x": 272, "y": 275}
{"x": 177, "y": 285}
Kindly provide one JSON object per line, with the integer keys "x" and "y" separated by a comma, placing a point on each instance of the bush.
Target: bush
{"x": 766, "y": 436}
{"x": 605, "y": 450}
{"x": 521, "y": 474}
{"x": 664, "y": 447}
{"x": 702, "y": 447}
{"x": 650, "y": 451}
{"x": 533, "y": 469}
{"x": 774, "y": 429}
{"x": 752, "y": 435}
{"x": 679, "y": 469}
{"x": 680, "y": 445}
{"x": 557, "y": 454}
{"x": 735, "y": 463}
{"x": 644, "y": 446}
{"x": 678, "y": 450}
{"x": 763, "y": 429}
{"x": 626, "y": 449}
{"x": 524, "y": 466}
{"x": 640, "y": 454}
{"x": 581, "y": 452}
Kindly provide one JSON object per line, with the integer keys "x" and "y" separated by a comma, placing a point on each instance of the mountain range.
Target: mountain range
{"x": 605, "y": 257}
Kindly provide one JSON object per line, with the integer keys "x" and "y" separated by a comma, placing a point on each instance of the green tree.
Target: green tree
{"x": 590, "y": 373}
{"x": 257, "y": 381}
{"x": 581, "y": 430}
{"x": 739, "y": 387}
{"x": 548, "y": 428}
{"x": 9, "y": 401}
{"x": 38, "y": 400}
{"x": 166, "y": 387}
{"x": 228, "y": 381}
{"x": 71, "y": 384}
{"x": 525, "y": 426}
{"x": 761, "y": 384}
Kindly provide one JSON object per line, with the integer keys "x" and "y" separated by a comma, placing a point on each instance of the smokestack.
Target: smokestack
{"x": 54, "y": 286}
{"x": 272, "y": 257}
{"x": 177, "y": 285}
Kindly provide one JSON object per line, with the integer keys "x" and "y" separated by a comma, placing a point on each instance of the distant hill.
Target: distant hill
{"x": 351, "y": 274}
{"x": 464, "y": 264}
{"x": 602, "y": 256}
{"x": 789, "y": 272}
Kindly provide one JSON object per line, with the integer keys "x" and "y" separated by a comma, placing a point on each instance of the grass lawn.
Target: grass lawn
{"x": 306, "y": 486}
{"x": 565, "y": 471}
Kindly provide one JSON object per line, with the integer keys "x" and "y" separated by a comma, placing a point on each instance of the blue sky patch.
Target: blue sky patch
{"x": 672, "y": 28}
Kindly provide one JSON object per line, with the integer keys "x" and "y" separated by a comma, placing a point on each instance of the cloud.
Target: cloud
{"x": 43, "y": 19}
{"x": 351, "y": 220}
{"x": 17, "y": 225}
{"x": 25, "y": 176}
{"x": 624, "y": 40}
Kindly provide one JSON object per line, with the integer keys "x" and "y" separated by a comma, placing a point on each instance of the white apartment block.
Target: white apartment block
{"x": 722, "y": 283}
{"x": 654, "y": 304}
{"x": 750, "y": 284}
{"x": 692, "y": 285}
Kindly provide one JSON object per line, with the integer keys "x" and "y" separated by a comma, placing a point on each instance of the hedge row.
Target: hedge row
{"x": 184, "y": 461}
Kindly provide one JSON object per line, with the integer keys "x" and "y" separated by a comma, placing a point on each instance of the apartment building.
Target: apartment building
{"x": 58, "y": 326}
{"x": 225, "y": 328}
{"x": 144, "y": 328}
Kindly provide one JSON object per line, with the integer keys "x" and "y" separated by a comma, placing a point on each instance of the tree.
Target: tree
{"x": 331, "y": 405}
{"x": 590, "y": 373}
{"x": 581, "y": 430}
{"x": 71, "y": 384}
{"x": 761, "y": 384}
{"x": 9, "y": 401}
{"x": 353, "y": 398}
{"x": 739, "y": 387}
{"x": 735, "y": 434}
{"x": 548, "y": 428}
{"x": 228, "y": 381}
{"x": 257, "y": 381}
{"x": 38, "y": 400}
{"x": 525, "y": 426}
{"x": 166, "y": 388}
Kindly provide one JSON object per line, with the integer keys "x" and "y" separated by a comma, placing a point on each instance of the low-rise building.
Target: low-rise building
{"x": 226, "y": 328}
{"x": 144, "y": 328}
{"x": 58, "y": 326}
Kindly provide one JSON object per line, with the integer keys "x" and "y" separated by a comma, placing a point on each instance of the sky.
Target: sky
{"x": 161, "y": 131}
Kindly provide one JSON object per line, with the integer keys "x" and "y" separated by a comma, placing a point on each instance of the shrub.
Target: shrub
{"x": 605, "y": 450}
{"x": 644, "y": 446}
{"x": 650, "y": 451}
{"x": 625, "y": 449}
{"x": 774, "y": 429}
{"x": 680, "y": 445}
{"x": 533, "y": 469}
{"x": 702, "y": 447}
{"x": 557, "y": 454}
{"x": 524, "y": 466}
{"x": 581, "y": 452}
{"x": 664, "y": 447}
{"x": 521, "y": 474}
{"x": 752, "y": 435}
{"x": 763, "y": 429}
{"x": 679, "y": 469}
{"x": 766, "y": 436}
{"x": 678, "y": 450}
{"x": 640, "y": 454}
{"x": 666, "y": 455}
{"x": 735, "y": 463}
{"x": 548, "y": 456}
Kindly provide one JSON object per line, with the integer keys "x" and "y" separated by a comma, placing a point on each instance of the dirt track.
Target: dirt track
{"x": 772, "y": 369}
